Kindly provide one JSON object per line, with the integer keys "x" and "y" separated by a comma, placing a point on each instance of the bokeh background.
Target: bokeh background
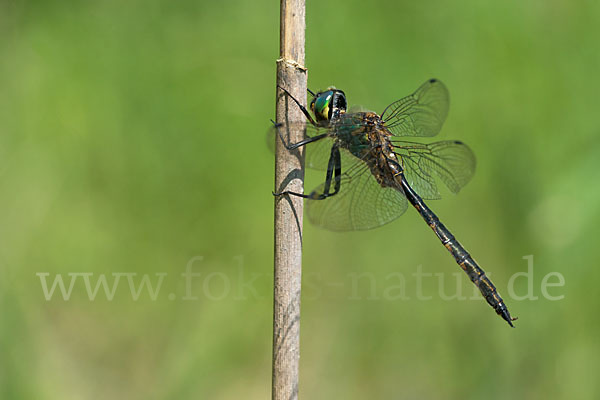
{"x": 132, "y": 140}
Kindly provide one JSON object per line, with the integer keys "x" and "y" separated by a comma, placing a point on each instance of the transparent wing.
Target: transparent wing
{"x": 318, "y": 153}
{"x": 450, "y": 161}
{"x": 420, "y": 114}
{"x": 360, "y": 204}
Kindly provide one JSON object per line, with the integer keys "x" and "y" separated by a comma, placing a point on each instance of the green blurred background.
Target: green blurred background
{"x": 132, "y": 141}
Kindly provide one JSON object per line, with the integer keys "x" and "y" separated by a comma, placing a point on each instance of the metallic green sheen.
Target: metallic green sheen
{"x": 352, "y": 134}
{"x": 323, "y": 101}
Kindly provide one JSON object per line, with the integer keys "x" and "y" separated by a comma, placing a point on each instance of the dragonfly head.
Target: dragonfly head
{"x": 328, "y": 104}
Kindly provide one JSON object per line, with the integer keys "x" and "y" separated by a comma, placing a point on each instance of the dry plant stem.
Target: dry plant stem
{"x": 289, "y": 175}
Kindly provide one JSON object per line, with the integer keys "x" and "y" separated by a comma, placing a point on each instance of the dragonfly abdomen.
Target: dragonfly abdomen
{"x": 460, "y": 254}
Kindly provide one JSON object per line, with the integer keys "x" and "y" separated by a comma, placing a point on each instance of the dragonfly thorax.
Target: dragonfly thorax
{"x": 328, "y": 105}
{"x": 382, "y": 160}
{"x": 365, "y": 136}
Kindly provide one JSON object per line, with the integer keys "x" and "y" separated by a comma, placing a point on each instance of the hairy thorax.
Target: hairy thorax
{"x": 367, "y": 138}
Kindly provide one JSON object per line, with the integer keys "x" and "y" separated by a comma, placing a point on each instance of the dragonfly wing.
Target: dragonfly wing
{"x": 450, "y": 161}
{"x": 420, "y": 114}
{"x": 360, "y": 204}
{"x": 318, "y": 153}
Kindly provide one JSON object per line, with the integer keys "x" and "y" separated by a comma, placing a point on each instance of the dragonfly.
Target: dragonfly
{"x": 372, "y": 172}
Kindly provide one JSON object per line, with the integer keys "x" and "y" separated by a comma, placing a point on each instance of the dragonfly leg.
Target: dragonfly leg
{"x": 302, "y": 108}
{"x": 293, "y": 146}
{"x": 334, "y": 167}
{"x": 304, "y": 196}
{"x": 334, "y": 172}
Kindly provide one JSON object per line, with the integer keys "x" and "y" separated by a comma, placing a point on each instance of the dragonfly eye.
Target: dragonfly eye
{"x": 320, "y": 105}
{"x": 329, "y": 104}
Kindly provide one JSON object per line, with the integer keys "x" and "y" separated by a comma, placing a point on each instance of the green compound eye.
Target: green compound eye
{"x": 321, "y": 105}
{"x": 322, "y": 102}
